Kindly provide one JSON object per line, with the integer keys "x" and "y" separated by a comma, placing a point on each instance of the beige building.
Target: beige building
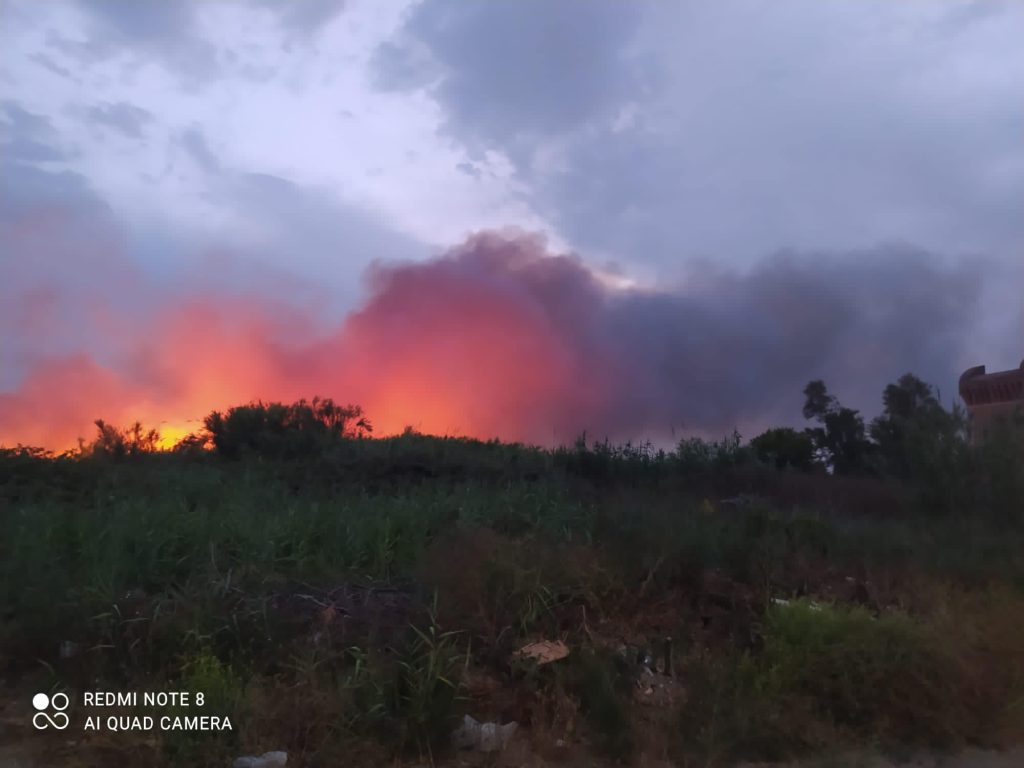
{"x": 992, "y": 396}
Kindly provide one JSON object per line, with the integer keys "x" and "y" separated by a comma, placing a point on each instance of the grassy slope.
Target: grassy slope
{"x": 379, "y": 587}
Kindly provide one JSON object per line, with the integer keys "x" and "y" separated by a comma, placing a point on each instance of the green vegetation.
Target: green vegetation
{"x": 844, "y": 585}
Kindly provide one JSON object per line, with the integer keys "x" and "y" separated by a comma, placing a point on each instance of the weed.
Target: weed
{"x": 878, "y": 676}
{"x": 427, "y": 685}
{"x": 222, "y": 693}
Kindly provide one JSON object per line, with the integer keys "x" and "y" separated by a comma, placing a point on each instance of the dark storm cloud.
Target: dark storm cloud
{"x": 509, "y": 70}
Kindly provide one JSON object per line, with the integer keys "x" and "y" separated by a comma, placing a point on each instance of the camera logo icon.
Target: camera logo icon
{"x": 42, "y": 719}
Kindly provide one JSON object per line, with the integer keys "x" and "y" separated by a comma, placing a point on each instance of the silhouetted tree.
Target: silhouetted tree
{"x": 194, "y": 444}
{"x": 818, "y": 403}
{"x": 785, "y": 447}
{"x": 284, "y": 430}
{"x": 842, "y": 439}
{"x": 117, "y": 443}
{"x": 913, "y": 428}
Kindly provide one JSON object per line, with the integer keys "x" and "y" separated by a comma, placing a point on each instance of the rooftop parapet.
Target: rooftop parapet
{"x": 980, "y": 388}
{"x": 992, "y": 398}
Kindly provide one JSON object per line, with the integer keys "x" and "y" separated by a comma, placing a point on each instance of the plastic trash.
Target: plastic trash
{"x": 483, "y": 737}
{"x": 266, "y": 760}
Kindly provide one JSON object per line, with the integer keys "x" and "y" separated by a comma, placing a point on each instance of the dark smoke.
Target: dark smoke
{"x": 500, "y": 338}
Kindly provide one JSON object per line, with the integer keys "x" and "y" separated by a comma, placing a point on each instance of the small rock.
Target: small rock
{"x": 266, "y": 760}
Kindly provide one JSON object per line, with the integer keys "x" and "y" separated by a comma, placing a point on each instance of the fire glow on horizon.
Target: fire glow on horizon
{"x": 501, "y": 338}
{"x": 457, "y": 346}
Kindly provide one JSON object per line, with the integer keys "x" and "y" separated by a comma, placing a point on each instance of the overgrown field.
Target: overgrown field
{"x": 348, "y": 599}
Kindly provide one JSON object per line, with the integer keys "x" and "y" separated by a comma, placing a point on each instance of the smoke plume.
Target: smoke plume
{"x": 501, "y": 338}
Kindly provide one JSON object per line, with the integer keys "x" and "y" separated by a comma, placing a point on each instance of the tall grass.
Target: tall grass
{"x": 237, "y": 573}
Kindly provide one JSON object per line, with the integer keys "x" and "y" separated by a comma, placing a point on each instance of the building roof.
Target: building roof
{"x": 980, "y": 388}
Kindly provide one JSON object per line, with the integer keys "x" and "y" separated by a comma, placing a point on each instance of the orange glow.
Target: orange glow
{"x": 172, "y": 434}
{"x": 459, "y": 346}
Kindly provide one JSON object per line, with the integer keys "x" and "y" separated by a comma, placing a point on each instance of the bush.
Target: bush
{"x": 826, "y": 676}
{"x": 784, "y": 448}
{"x": 875, "y": 676}
{"x": 118, "y": 443}
{"x": 275, "y": 429}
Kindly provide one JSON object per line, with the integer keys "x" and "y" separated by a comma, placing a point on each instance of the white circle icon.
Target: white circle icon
{"x": 43, "y": 719}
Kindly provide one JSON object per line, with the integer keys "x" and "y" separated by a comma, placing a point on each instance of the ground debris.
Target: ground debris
{"x": 266, "y": 760}
{"x": 543, "y": 652}
{"x": 483, "y": 737}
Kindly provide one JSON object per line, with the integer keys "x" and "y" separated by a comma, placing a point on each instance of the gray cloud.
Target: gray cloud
{"x": 148, "y": 28}
{"x": 25, "y": 135}
{"x": 171, "y": 34}
{"x": 661, "y": 131}
{"x": 319, "y": 238}
{"x": 141, "y": 20}
{"x": 123, "y": 117}
{"x": 510, "y": 70}
{"x": 46, "y": 62}
{"x": 193, "y": 141}
{"x": 162, "y": 23}
{"x": 307, "y": 16}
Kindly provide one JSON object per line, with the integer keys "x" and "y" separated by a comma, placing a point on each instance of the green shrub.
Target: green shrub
{"x": 875, "y": 676}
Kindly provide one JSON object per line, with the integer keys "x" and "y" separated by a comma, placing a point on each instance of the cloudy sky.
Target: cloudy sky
{"x": 153, "y": 151}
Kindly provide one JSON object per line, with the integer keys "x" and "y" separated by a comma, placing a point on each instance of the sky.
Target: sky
{"x": 514, "y": 218}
